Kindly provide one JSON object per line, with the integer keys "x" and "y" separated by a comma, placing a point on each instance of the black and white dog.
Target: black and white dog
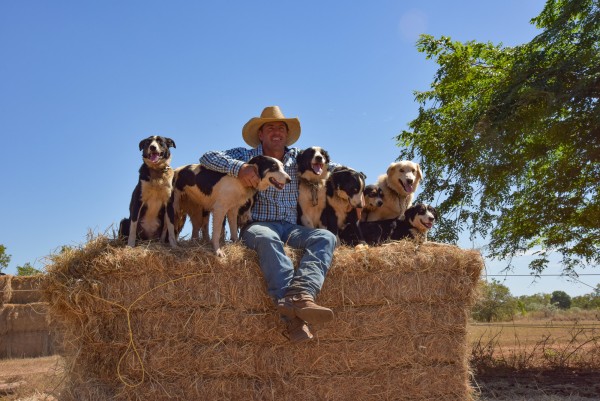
{"x": 418, "y": 220}
{"x": 223, "y": 195}
{"x": 149, "y": 214}
{"x": 313, "y": 165}
{"x": 344, "y": 192}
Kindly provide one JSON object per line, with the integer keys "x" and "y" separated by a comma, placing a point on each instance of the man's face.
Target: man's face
{"x": 273, "y": 135}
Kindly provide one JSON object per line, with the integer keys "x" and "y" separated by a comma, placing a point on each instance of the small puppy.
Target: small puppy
{"x": 149, "y": 216}
{"x": 398, "y": 185}
{"x": 223, "y": 195}
{"x": 373, "y": 200}
{"x": 313, "y": 164}
{"x": 418, "y": 220}
{"x": 345, "y": 188}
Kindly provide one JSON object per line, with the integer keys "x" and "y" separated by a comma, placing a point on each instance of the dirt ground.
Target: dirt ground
{"x": 37, "y": 379}
{"x": 559, "y": 385}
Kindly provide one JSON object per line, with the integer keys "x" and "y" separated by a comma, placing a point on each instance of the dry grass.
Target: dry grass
{"x": 32, "y": 378}
{"x": 537, "y": 360}
{"x": 155, "y": 323}
{"x": 534, "y": 344}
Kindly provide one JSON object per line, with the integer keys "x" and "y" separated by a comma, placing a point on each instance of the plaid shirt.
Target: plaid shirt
{"x": 271, "y": 204}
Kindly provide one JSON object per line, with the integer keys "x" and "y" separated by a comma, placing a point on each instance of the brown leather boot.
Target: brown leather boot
{"x": 304, "y": 307}
{"x": 297, "y": 331}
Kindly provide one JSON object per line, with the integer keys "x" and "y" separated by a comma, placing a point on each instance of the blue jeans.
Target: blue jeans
{"x": 267, "y": 238}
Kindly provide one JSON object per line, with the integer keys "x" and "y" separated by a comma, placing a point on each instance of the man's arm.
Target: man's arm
{"x": 232, "y": 162}
{"x": 228, "y": 162}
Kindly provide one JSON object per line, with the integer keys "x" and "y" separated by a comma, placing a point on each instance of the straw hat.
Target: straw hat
{"x": 268, "y": 115}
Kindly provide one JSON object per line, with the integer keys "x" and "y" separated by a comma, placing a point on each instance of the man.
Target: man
{"x": 274, "y": 223}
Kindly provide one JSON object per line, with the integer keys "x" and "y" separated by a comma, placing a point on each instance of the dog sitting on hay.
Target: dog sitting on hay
{"x": 389, "y": 214}
{"x": 150, "y": 213}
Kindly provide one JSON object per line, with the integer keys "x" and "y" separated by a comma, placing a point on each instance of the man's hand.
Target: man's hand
{"x": 249, "y": 176}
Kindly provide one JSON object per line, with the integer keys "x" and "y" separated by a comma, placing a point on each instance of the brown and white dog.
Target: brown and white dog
{"x": 398, "y": 185}
{"x": 222, "y": 194}
{"x": 149, "y": 216}
{"x": 188, "y": 208}
{"x": 345, "y": 188}
{"x": 313, "y": 165}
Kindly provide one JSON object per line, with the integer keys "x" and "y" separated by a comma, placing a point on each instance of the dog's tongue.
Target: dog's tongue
{"x": 317, "y": 168}
{"x": 409, "y": 188}
{"x": 154, "y": 157}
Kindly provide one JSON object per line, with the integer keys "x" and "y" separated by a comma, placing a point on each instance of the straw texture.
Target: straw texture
{"x": 156, "y": 323}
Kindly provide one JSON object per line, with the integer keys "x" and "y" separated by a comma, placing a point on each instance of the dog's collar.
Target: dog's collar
{"x": 314, "y": 190}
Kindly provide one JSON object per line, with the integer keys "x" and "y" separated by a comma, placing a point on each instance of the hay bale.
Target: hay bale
{"x": 18, "y": 318}
{"x": 28, "y": 344}
{"x": 20, "y": 289}
{"x": 155, "y": 323}
{"x": 4, "y": 284}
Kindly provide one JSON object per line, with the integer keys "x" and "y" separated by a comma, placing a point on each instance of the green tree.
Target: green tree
{"x": 561, "y": 299}
{"x": 495, "y": 304}
{"x": 27, "y": 270}
{"x": 535, "y": 302}
{"x": 588, "y": 301}
{"x": 509, "y": 138}
{"x": 4, "y": 258}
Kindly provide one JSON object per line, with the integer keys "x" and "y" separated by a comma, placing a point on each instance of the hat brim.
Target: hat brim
{"x": 250, "y": 130}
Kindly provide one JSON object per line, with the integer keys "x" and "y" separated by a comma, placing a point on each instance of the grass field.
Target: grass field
{"x": 525, "y": 360}
{"x": 537, "y": 359}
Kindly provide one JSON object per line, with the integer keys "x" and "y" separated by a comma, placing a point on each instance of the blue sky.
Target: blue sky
{"x": 83, "y": 82}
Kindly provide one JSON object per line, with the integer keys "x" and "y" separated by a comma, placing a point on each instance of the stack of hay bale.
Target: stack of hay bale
{"x": 24, "y": 324}
{"x": 155, "y": 323}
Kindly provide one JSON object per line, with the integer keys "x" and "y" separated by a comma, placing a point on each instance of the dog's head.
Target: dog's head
{"x": 347, "y": 184}
{"x": 421, "y": 216}
{"x": 404, "y": 177}
{"x": 313, "y": 163}
{"x": 155, "y": 151}
{"x": 373, "y": 197}
{"x": 270, "y": 171}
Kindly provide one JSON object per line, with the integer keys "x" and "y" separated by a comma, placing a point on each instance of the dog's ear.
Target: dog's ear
{"x": 390, "y": 169}
{"x": 329, "y": 186}
{"x": 326, "y": 154}
{"x": 170, "y": 143}
{"x": 143, "y": 143}
{"x": 410, "y": 213}
{"x": 419, "y": 174}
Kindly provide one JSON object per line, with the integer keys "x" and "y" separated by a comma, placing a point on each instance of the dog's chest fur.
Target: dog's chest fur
{"x": 155, "y": 193}
{"x": 341, "y": 208}
{"x": 312, "y": 198}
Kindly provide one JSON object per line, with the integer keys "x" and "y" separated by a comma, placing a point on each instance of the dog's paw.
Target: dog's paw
{"x": 220, "y": 253}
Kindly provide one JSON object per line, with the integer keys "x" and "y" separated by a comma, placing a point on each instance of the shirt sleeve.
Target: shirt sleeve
{"x": 228, "y": 162}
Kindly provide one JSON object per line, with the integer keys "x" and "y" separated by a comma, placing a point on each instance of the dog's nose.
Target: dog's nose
{"x": 152, "y": 147}
{"x": 379, "y": 203}
{"x": 431, "y": 219}
{"x": 319, "y": 159}
{"x": 409, "y": 181}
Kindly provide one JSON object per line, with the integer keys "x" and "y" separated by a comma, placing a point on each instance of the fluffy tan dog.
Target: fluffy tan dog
{"x": 398, "y": 185}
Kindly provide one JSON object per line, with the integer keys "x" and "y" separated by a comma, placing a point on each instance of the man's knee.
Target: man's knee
{"x": 325, "y": 238}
